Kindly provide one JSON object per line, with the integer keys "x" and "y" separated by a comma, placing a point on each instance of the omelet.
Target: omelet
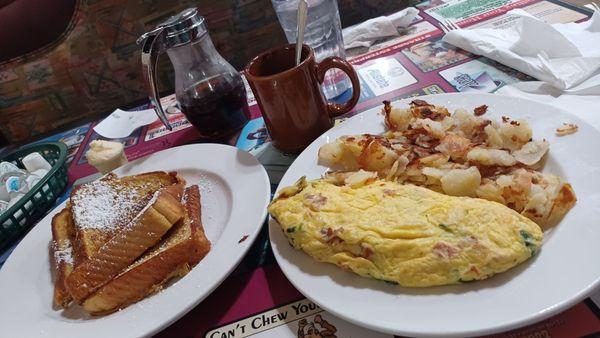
{"x": 404, "y": 234}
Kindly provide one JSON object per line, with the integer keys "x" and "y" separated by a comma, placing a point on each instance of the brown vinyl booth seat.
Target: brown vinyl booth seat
{"x": 69, "y": 61}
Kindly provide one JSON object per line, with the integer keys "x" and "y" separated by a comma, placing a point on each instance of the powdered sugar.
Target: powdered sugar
{"x": 205, "y": 184}
{"x": 99, "y": 205}
{"x": 206, "y": 189}
{"x": 64, "y": 254}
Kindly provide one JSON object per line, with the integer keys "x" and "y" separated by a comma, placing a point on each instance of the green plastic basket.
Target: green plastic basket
{"x": 30, "y": 208}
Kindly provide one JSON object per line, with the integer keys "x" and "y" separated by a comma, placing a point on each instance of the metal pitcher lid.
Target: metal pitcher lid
{"x": 183, "y": 27}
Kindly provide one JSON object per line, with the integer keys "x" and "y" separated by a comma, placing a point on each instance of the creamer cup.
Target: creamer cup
{"x": 35, "y": 161}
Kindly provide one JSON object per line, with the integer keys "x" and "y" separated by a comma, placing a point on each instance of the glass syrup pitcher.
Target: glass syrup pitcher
{"x": 209, "y": 91}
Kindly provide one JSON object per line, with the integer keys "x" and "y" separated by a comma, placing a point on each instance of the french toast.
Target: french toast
{"x": 159, "y": 213}
{"x": 180, "y": 249}
{"x": 63, "y": 260}
{"x": 101, "y": 208}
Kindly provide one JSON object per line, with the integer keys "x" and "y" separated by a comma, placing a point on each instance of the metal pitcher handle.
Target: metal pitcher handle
{"x": 152, "y": 46}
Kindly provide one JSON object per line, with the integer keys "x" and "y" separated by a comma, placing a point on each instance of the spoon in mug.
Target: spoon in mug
{"x": 302, "y": 16}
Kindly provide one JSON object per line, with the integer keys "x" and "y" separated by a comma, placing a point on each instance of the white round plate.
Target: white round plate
{"x": 564, "y": 272}
{"x": 235, "y": 191}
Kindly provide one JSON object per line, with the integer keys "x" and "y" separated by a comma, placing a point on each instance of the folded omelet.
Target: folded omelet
{"x": 404, "y": 234}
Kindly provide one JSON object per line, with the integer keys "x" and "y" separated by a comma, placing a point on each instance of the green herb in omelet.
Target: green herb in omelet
{"x": 294, "y": 229}
{"x": 529, "y": 241}
{"x": 383, "y": 280}
{"x": 444, "y": 227}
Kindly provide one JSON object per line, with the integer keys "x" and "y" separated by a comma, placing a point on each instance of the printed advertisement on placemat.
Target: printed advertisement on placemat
{"x": 176, "y": 118}
{"x": 480, "y": 76}
{"x": 71, "y": 138}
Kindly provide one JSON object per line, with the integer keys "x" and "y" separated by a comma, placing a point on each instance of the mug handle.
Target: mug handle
{"x": 337, "y": 109}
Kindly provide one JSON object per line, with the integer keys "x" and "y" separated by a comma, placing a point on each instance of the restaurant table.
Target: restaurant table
{"x": 254, "y": 297}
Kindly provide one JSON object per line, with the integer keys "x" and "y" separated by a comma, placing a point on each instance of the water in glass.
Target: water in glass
{"x": 323, "y": 33}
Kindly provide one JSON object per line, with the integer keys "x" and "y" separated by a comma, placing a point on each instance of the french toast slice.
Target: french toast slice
{"x": 63, "y": 233}
{"x": 179, "y": 250}
{"x": 101, "y": 208}
{"x": 129, "y": 242}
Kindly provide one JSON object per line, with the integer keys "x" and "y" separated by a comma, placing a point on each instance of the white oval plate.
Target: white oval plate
{"x": 235, "y": 191}
{"x": 565, "y": 271}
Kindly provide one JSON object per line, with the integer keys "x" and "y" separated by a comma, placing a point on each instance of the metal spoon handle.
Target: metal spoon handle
{"x": 302, "y": 16}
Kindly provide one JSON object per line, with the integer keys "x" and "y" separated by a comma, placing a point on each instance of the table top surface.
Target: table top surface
{"x": 412, "y": 64}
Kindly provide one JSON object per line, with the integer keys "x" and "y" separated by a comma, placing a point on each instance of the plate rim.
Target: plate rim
{"x": 152, "y": 327}
{"x": 537, "y": 317}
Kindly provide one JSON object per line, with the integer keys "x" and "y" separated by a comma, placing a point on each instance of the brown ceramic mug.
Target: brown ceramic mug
{"x": 290, "y": 97}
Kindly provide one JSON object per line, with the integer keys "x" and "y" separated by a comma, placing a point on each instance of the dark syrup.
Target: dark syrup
{"x": 216, "y": 108}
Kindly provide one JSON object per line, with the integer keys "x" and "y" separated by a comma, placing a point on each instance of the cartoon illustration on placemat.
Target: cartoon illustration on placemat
{"x": 317, "y": 328}
{"x": 432, "y": 55}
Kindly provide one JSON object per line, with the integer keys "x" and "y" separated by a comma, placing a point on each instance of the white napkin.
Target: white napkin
{"x": 366, "y": 33}
{"x": 122, "y": 123}
{"x": 566, "y": 56}
{"x": 582, "y": 106}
